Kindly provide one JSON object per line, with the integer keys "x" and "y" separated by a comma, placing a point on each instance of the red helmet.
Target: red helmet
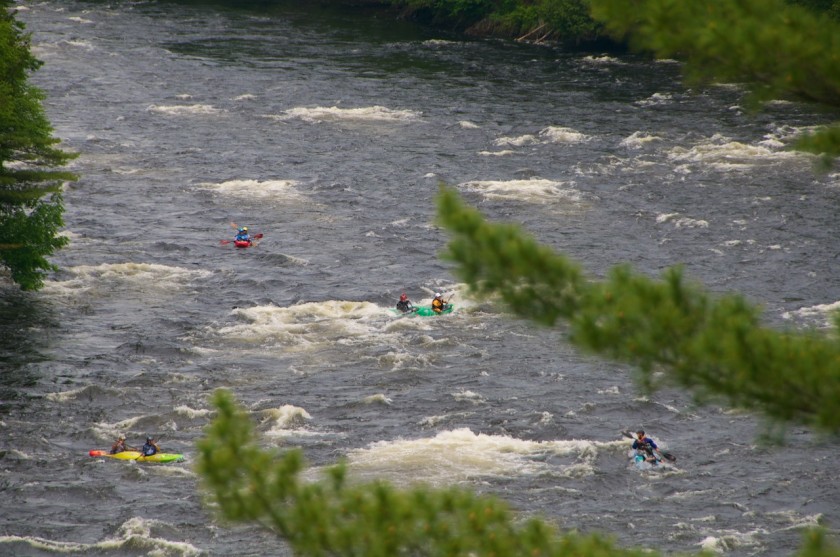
{"x": 403, "y": 297}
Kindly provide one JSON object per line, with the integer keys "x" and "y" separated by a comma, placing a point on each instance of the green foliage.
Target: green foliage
{"x": 565, "y": 20}
{"x": 673, "y": 332}
{"x": 774, "y": 49}
{"x": 334, "y": 517}
{"x": 30, "y": 202}
{"x": 538, "y": 19}
{"x": 828, "y": 7}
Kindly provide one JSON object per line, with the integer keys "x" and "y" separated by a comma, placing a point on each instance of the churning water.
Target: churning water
{"x": 329, "y": 133}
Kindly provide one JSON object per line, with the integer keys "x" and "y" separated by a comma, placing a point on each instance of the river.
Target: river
{"x": 329, "y": 132}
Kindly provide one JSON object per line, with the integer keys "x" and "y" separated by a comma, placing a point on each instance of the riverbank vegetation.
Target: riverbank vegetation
{"x": 31, "y": 207}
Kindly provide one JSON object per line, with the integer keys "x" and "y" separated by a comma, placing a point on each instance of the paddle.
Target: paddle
{"x": 254, "y": 237}
{"x": 665, "y": 454}
{"x": 449, "y": 300}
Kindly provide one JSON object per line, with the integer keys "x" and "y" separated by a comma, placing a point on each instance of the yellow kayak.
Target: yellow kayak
{"x": 138, "y": 456}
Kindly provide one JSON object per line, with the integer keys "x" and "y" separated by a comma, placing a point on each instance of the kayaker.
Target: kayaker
{"x": 439, "y": 305}
{"x": 150, "y": 447}
{"x": 405, "y": 305}
{"x": 120, "y": 446}
{"x": 242, "y": 235}
{"x": 648, "y": 445}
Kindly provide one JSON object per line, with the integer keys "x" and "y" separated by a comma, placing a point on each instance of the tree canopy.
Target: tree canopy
{"x": 31, "y": 207}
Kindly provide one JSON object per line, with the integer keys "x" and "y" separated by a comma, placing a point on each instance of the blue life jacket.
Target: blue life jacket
{"x": 149, "y": 449}
{"x": 647, "y": 444}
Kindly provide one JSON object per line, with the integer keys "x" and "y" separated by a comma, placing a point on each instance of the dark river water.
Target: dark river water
{"x": 330, "y": 133}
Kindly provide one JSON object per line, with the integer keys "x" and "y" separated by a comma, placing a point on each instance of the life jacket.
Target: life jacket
{"x": 645, "y": 444}
{"x": 404, "y": 306}
{"x": 149, "y": 449}
{"x": 437, "y": 305}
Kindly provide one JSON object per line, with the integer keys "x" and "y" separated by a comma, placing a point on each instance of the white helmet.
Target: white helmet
{"x": 438, "y": 294}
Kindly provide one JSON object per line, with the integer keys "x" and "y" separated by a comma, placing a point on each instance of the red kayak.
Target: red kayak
{"x": 243, "y": 243}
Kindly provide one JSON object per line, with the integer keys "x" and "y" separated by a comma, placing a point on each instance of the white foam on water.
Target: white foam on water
{"x": 306, "y": 324}
{"x": 64, "y": 396}
{"x": 185, "y": 110}
{"x": 722, "y": 153}
{"x": 378, "y": 398}
{"x": 680, "y": 221}
{"x": 193, "y": 413}
{"x": 614, "y": 390}
{"x": 467, "y": 125}
{"x": 107, "y": 276}
{"x": 516, "y": 141}
{"x": 502, "y": 153}
{"x": 656, "y": 99}
{"x": 460, "y": 455}
{"x": 108, "y": 432}
{"x": 396, "y": 361}
{"x": 534, "y": 190}
{"x": 284, "y": 420}
{"x": 433, "y": 421}
{"x": 638, "y": 139}
{"x": 557, "y": 134}
{"x": 824, "y": 312}
{"x": 601, "y": 60}
{"x": 336, "y": 114}
{"x": 267, "y": 189}
{"x": 469, "y": 396}
{"x": 728, "y": 540}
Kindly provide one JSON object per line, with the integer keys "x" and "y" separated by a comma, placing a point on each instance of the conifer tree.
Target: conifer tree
{"x": 773, "y": 48}
{"x": 672, "y": 331}
{"x": 30, "y": 186}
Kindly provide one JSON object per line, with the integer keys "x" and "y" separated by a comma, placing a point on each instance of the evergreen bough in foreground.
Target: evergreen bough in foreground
{"x": 672, "y": 331}
{"x": 335, "y": 517}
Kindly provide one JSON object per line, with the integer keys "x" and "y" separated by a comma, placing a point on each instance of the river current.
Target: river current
{"x": 329, "y": 132}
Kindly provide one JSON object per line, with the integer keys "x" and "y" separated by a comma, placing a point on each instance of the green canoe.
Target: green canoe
{"x": 425, "y": 311}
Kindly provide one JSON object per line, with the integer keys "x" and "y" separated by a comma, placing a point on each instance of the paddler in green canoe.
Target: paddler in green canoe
{"x": 439, "y": 305}
{"x": 119, "y": 445}
{"x": 405, "y": 305}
